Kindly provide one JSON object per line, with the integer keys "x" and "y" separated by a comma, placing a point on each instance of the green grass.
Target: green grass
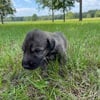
{"x": 82, "y": 73}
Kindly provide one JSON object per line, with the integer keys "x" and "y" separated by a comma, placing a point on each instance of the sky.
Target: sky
{"x": 30, "y": 7}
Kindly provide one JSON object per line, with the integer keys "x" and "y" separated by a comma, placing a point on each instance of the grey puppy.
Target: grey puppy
{"x": 40, "y": 47}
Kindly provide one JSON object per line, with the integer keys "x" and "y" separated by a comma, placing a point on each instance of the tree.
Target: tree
{"x": 34, "y": 17}
{"x": 49, "y": 4}
{"x": 6, "y": 8}
{"x": 65, "y": 5}
{"x": 70, "y": 15}
{"x": 92, "y": 13}
{"x": 80, "y": 9}
{"x": 57, "y": 5}
{"x": 80, "y": 19}
{"x": 88, "y": 15}
{"x": 97, "y": 13}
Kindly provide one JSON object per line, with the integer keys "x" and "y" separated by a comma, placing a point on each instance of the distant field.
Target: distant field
{"x": 82, "y": 73}
{"x": 56, "y": 21}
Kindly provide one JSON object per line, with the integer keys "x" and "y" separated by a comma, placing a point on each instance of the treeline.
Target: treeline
{"x": 69, "y": 15}
{"x": 89, "y": 14}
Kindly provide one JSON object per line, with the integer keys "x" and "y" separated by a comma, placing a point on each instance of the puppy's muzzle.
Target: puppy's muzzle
{"x": 29, "y": 65}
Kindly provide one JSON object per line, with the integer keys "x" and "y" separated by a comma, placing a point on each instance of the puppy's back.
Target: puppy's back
{"x": 60, "y": 41}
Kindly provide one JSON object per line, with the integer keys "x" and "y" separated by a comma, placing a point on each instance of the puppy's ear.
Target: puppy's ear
{"x": 50, "y": 44}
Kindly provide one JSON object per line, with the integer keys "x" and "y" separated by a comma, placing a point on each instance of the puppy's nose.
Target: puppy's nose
{"x": 27, "y": 63}
{"x": 31, "y": 63}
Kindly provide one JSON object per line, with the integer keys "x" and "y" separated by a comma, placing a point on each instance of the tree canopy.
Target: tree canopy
{"x": 56, "y": 5}
{"x": 6, "y": 8}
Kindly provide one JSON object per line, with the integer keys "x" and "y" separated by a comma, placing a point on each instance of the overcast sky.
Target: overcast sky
{"x": 29, "y": 7}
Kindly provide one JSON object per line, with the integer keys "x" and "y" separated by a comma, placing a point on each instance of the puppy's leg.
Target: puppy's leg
{"x": 44, "y": 70}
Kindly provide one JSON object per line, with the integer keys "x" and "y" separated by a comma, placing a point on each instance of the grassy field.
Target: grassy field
{"x": 82, "y": 73}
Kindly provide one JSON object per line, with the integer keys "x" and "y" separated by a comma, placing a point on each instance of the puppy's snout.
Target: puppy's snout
{"x": 28, "y": 64}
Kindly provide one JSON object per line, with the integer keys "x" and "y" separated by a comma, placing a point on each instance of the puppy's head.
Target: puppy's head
{"x": 36, "y": 46}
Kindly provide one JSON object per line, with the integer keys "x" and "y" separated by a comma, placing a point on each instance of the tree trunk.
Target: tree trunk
{"x": 52, "y": 12}
{"x": 64, "y": 10}
{"x": 80, "y": 13}
{"x": 64, "y": 15}
{"x": 52, "y": 15}
{"x": 2, "y": 19}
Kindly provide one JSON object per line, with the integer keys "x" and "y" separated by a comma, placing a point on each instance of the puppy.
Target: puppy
{"x": 40, "y": 47}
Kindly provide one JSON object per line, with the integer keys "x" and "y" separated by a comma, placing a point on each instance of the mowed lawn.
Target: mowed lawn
{"x": 81, "y": 79}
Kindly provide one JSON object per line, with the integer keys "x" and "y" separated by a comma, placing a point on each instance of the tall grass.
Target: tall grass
{"x": 82, "y": 73}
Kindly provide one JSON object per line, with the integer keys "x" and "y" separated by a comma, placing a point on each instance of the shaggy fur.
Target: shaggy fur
{"x": 40, "y": 47}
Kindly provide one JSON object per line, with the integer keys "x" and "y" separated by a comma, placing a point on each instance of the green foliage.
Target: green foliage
{"x": 6, "y": 8}
{"x": 49, "y": 4}
{"x": 63, "y": 4}
{"x": 97, "y": 13}
{"x": 88, "y": 15}
{"x": 34, "y": 17}
{"x": 70, "y": 15}
{"x": 92, "y": 13}
{"x": 46, "y": 3}
{"x": 57, "y": 5}
{"x": 81, "y": 72}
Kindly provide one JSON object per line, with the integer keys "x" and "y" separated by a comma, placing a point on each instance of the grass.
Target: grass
{"x": 82, "y": 73}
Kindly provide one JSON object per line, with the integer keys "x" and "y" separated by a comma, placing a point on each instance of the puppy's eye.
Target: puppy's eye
{"x": 37, "y": 51}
